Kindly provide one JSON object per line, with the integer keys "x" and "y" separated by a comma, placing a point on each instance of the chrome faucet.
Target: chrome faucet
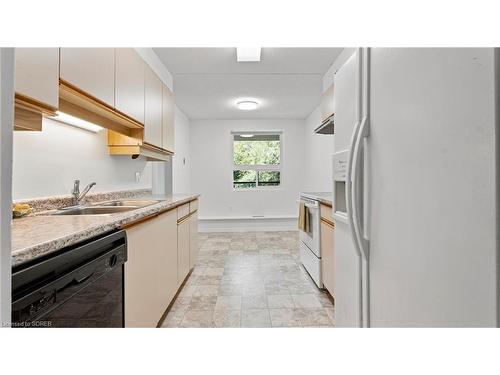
{"x": 77, "y": 197}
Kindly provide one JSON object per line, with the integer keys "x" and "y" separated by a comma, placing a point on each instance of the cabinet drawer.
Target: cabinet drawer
{"x": 326, "y": 212}
{"x": 182, "y": 211}
{"x": 193, "y": 205}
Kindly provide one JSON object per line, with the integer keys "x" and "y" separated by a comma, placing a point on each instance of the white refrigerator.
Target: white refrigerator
{"x": 415, "y": 189}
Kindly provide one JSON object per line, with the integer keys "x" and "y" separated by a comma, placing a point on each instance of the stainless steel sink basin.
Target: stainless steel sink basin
{"x": 105, "y": 208}
{"x": 128, "y": 203}
{"x": 93, "y": 210}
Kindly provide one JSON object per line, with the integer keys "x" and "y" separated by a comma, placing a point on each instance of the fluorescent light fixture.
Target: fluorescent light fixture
{"x": 247, "y": 105}
{"x": 245, "y": 54}
{"x": 75, "y": 121}
{"x": 246, "y": 135}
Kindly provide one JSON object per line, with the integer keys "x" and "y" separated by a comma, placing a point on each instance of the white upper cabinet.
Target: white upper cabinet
{"x": 37, "y": 74}
{"x": 129, "y": 83}
{"x": 168, "y": 120}
{"x": 153, "y": 108}
{"x": 327, "y": 104}
{"x": 91, "y": 70}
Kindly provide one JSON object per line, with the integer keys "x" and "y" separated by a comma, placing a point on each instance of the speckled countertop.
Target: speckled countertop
{"x": 324, "y": 197}
{"x": 35, "y": 236}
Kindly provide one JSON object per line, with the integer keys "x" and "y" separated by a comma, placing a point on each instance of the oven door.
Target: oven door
{"x": 311, "y": 238}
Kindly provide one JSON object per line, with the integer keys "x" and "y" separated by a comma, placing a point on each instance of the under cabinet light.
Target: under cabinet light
{"x": 77, "y": 122}
{"x": 246, "y": 54}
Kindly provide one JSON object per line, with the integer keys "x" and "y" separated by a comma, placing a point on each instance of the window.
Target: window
{"x": 256, "y": 159}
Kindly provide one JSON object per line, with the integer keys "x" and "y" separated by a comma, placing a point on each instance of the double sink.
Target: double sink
{"x": 106, "y": 208}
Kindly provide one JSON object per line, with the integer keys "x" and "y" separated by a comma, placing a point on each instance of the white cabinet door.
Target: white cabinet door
{"x": 182, "y": 250}
{"x": 153, "y": 107}
{"x": 37, "y": 74}
{"x": 129, "y": 83}
{"x": 168, "y": 120}
{"x": 167, "y": 264}
{"x": 92, "y": 70}
{"x": 193, "y": 239}
{"x": 151, "y": 270}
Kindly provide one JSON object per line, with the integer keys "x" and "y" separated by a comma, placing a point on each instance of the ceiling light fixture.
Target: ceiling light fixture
{"x": 75, "y": 121}
{"x": 247, "y": 54}
{"x": 246, "y": 135}
{"x": 247, "y": 105}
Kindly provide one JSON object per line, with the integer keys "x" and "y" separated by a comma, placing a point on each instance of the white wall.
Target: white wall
{"x": 47, "y": 162}
{"x": 317, "y": 156}
{"x": 212, "y": 163}
{"x": 181, "y": 161}
{"x": 6, "y": 120}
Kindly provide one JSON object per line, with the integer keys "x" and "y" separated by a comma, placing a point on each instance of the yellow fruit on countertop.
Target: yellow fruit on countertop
{"x": 21, "y": 209}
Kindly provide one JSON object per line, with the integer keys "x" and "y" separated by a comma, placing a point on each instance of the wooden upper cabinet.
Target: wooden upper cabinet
{"x": 168, "y": 120}
{"x": 153, "y": 108}
{"x": 91, "y": 70}
{"x": 327, "y": 104}
{"x": 129, "y": 83}
{"x": 37, "y": 75}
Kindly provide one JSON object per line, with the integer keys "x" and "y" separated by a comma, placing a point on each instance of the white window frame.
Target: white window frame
{"x": 256, "y": 167}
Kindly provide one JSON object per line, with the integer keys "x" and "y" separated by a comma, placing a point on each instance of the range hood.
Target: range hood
{"x": 326, "y": 127}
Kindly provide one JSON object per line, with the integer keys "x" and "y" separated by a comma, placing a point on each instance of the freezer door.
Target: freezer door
{"x": 347, "y": 258}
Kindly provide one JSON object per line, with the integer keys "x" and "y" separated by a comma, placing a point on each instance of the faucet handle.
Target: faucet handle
{"x": 76, "y": 187}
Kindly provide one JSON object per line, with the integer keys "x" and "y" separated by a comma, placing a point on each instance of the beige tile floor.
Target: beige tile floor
{"x": 251, "y": 279}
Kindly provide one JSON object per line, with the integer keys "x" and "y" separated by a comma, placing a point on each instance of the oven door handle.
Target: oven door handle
{"x": 314, "y": 207}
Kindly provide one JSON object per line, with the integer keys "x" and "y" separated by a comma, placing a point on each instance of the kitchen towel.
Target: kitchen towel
{"x": 303, "y": 217}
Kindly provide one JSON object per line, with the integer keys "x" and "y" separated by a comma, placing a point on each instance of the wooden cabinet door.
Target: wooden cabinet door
{"x": 91, "y": 70}
{"x": 151, "y": 270}
{"x": 168, "y": 120}
{"x": 153, "y": 95}
{"x": 193, "y": 239}
{"x": 129, "y": 83}
{"x": 182, "y": 250}
{"x": 37, "y": 74}
{"x": 328, "y": 255}
{"x": 327, "y": 104}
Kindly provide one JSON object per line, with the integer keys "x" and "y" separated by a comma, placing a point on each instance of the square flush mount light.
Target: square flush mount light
{"x": 245, "y": 54}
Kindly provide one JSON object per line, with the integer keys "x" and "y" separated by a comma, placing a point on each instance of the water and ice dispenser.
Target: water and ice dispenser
{"x": 340, "y": 160}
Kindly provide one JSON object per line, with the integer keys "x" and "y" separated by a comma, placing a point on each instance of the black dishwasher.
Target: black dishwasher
{"x": 80, "y": 286}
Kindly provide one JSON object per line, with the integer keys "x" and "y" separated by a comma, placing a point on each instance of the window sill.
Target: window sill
{"x": 261, "y": 189}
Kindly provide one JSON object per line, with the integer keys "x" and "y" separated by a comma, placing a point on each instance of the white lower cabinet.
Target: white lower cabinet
{"x": 151, "y": 270}
{"x": 161, "y": 252}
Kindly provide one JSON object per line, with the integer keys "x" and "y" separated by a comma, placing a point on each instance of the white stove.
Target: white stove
{"x": 310, "y": 245}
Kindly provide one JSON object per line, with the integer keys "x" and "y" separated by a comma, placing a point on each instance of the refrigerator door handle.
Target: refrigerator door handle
{"x": 349, "y": 187}
{"x": 358, "y": 196}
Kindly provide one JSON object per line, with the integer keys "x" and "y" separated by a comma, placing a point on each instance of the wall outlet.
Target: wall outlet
{"x": 137, "y": 176}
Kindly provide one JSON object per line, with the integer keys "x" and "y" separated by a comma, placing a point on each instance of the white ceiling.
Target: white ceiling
{"x": 287, "y": 82}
